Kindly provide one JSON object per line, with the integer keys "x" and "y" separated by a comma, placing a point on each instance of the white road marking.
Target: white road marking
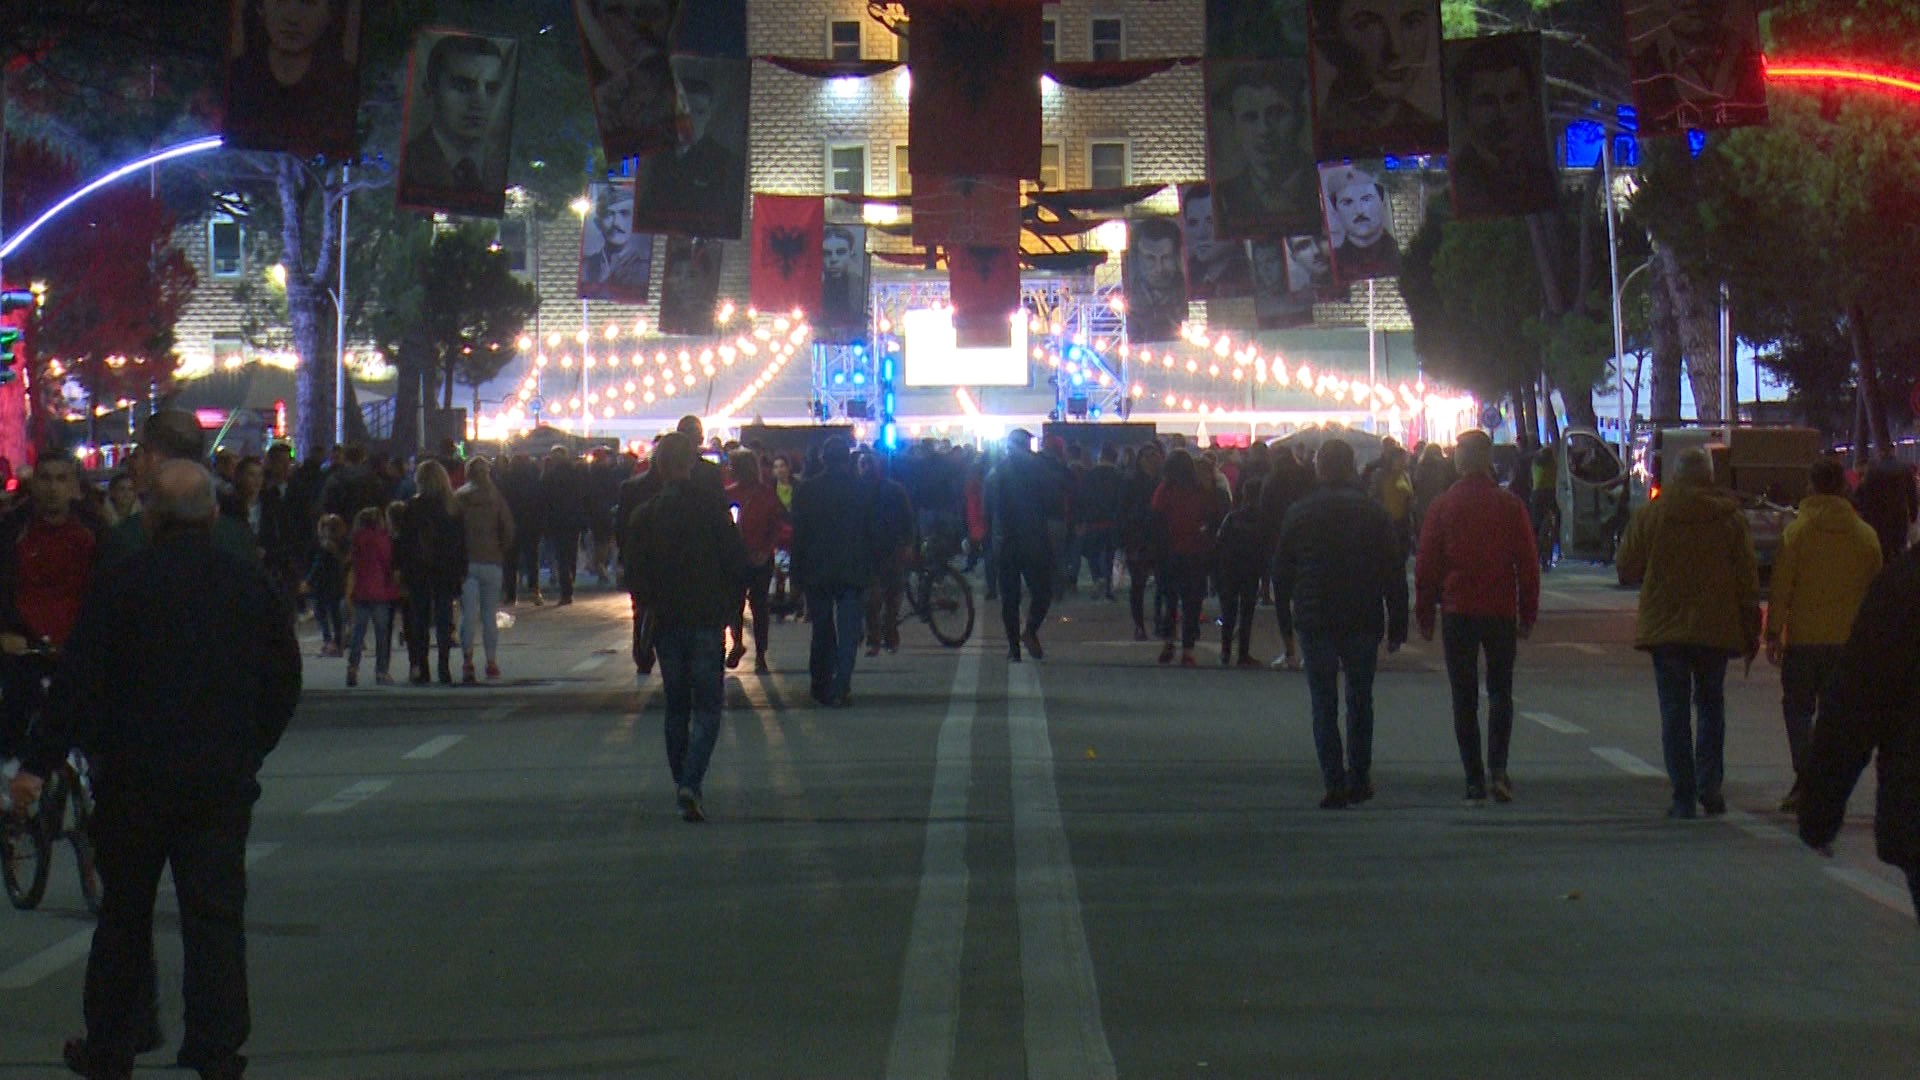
{"x": 1873, "y": 887}
{"x": 72, "y": 949}
{"x": 433, "y": 747}
{"x": 349, "y": 797}
{"x": 925, "y": 1025}
{"x": 1557, "y": 594}
{"x": 589, "y": 664}
{"x": 1553, "y": 723}
{"x": 1759, "y": 828}
{"x": 1628, "y": 764}
{"x": 1585, "y": 648}
{"x": 1064, "y": 1034}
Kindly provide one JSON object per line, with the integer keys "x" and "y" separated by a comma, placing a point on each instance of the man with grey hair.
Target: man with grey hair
{"x": 1476, "y": 567}
{"x": 180, "y": 676}
{"x": 1691, "y": 555}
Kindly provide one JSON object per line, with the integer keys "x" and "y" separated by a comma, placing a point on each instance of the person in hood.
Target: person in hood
{"x": 1691, "y": 555}
{"x": 1826, "y": 561}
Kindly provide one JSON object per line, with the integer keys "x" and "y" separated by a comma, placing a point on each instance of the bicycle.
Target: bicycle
{"x": 64, "y": 812}
{"x": 939, "y": 595}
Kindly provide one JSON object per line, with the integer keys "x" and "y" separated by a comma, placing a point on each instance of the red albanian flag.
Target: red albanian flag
{"x": 975, "y": 105}
{"x": 787, "y": 233}
{"x": 985, "y": 283}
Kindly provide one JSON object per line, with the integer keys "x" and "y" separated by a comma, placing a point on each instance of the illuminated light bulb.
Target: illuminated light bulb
{"x": 553, "y": 340}
{"x": 647, "y": 397}
{"x": 1187, "y": 404}
{"x": 627, "y": 404}
{"x": 525, "y": 343}
{"x": 636, "y": 360}
{"x": 1193, "y": 366}
{"x": 540, "y": 361}
{"x": 613, "y": 332}
{"x": 594, "y": 398}
{"x": 1172, "y": 401}
{"x": 688, "y": 379}
{"x": 567, "y": 362}
{"x": 647, "y": 382}
{"x": 1213, "y": 371}
{"x": 1238, "y": 375}
{"x": 580, "y": 337}
{"x": 1223, "y": 346}
{"x": 608, "y": 413}
{"x": 1167, "y": 361}
{"x": 573, "y": 403}
{"x": 588, "y": 363}
{"x": 629, "y": 386}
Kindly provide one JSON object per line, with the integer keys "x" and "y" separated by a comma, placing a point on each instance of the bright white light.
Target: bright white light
{"x": 903, "y": 83}
{"x": 195, "y": 147}
{"x": 1111, "y": 237}
{"x": 1048, "y": 86}
{"x": 880, "y": 214}
{"x": 846, "y": 88}
{"x": 934, "y": 358}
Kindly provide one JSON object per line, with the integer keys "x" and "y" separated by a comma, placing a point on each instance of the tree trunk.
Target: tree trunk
{"x": 1664, "y": 330}
{"x": 446, "y": 391}
{"x": 1697, "y": 313}
{"x": 1869, "y": 376}
{"x": 1526, "y": 413}
{"x": 314, "y": 399}
{"x": 414, "y": 360}
{"x": 1580, "y": 410}
{"x": 1549, "y": 416}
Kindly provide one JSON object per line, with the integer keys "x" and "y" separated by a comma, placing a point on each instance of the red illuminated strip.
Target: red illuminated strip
{"x": 1832, "y": 73}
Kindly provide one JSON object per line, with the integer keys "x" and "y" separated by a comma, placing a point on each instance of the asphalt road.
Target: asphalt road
{"x": 1082, "y": 868}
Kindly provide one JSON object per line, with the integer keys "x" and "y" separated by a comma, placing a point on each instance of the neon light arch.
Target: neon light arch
{"x": 1841, "y": 72}
{"x": 197, "y": 146}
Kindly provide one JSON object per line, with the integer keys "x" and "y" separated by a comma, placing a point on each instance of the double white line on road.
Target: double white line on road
{"x": 1065, "y": 1036}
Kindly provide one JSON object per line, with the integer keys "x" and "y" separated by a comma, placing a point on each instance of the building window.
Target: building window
{"x": 1050, "y": 39}
{"x": 843, "y": 39}
{"x": 1107, "y": 164}
{"x": 902, "y": 171}
{"x": 512, "y": 240}
{"x": 1109, "y": 39}
{"x": 226, "y": 243}
{"x": 847, "y": 169}
{"x": 228, "y": 348}
{"x": 1051, "y": 178}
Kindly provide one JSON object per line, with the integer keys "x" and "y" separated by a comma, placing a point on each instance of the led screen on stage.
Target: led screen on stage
{"x": 934, "y": 359}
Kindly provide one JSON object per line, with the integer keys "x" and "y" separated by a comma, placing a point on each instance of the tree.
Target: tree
{"x": 115, "y": 284}
{"x": 1810, "y": 221}
{"x": 472, "y": 309}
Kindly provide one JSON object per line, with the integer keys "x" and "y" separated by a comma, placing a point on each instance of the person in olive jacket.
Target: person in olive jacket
{"x": 1873, "y": 709}
{"x": 1691, "y": 555}
{"x": 688, "y": 569}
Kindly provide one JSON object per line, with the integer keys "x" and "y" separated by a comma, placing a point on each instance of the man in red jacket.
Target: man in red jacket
{"x": 1477, "y": 565}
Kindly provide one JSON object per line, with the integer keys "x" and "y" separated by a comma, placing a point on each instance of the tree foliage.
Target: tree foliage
{"x": 471, "y": 308}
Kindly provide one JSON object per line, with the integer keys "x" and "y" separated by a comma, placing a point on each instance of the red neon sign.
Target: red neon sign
{"x": 1823, "y": 71}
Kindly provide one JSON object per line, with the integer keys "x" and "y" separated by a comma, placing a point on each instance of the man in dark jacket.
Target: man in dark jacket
{"x": 1140, "y": 544}
{"x": 1340, "y": 564}
{"x": 180, "y": 676}
{"x": 1888, "y": 501}
{"x": 1288, "y": 481}
{"x": 1098, "y": 515}
{"x": 833, "y": 562}
{"x": 689, "y": 572}
{"x": 893, "y": 536}
{"x": 1021, "y": 492}
{"x": 565, "y": 487}
{"x": 526, "y": 501}
{"x": 1873, "y": 708}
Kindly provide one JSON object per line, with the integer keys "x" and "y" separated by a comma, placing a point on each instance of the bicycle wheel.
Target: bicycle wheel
{"x": 949, "y": 607}
{"x": 26, "y": 854}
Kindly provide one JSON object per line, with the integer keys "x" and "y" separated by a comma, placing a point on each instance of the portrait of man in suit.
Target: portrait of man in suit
{"x": 1376, "y": 78}
{"x": 1260, "y": 149}
{"x": 1500, "y": 160}
{"x": 1155, "y": 284}
{"x": 1696, "y": 64}
{"x": 1360, "y": 223}
{"x": 1216, "y": 269}
{"x": 459, "y": 124}
{"x": 699, "y": 187}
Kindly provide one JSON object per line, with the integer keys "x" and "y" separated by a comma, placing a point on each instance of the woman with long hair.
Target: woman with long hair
{"x": 761, "y": 518}
{"x": 1185, "y": 515}
{"x": 433, "y": 562}
{"x": 487, "y": 527}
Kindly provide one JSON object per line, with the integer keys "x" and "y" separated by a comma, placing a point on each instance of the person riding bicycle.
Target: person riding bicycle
{"x": 46, "y": 558}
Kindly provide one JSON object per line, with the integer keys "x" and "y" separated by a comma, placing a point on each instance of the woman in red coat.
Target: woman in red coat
{"x": 1185, "y": 513}
{"x": 762, "y": 518}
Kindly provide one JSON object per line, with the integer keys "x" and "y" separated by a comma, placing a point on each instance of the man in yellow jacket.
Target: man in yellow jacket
{"x": 1827, "y": 559}
{"x": 1691, "y": 555}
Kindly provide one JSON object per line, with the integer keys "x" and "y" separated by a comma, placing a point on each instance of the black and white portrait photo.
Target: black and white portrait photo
{"x": 1500, "y": 159}
{"x": 1696, "y": 64}
{"x": 1360, "y": 223}
{"x": 627, "y": 45}
{"x": 1376, "y": 78}
{"x": 698, "y": 187}
{"x": 1216, "y": 269}
{"x": 459, "y": 123}
{"x": 1155, "y": 285}
{"x": 690, "y": 286}
{"x": 1276, "y": 305}
{"x": 1260, "y": 149}
{"x": 293, "y": 76}
{"x": 842, "y": 315}
{"x": 615, "y": 261}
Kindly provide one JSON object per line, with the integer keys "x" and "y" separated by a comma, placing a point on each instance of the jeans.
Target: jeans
{"x": 1139, "y": 569}
{"x": 527, "y": 552}
{"x": 566, "y": 559}
{"x": 1692, "y": 679}
{"x": 1326, "y": 655}
{"x": 432, "y": 605}
{"x": 327, "y": 613}
{"x": 1239, "y": 597}
{"x": 204, "y": 839}
{"x": 479, "y": 602}
{"x": 883, "y": 601}
{"x": 1462, "y": 637}
{"x": 1033, "y": 564}
{"x": 1096, "y": 547}
{"x": 380, "y": 614}
{"x": 1805, "y": 672}
{"x": 836, "y": 615}
{"x": 1185, "y": 581}
{"x": 759, "y": 582}
{"x": 694, "y": 683}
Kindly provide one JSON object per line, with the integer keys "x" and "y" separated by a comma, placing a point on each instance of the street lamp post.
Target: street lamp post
{"x": 1613, "y": 271}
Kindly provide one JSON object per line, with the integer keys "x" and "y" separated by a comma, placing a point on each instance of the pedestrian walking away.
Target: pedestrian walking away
{"x": 179, "y": 678}
{"x": 690, "y": 568}
{"x": 1477, "y": 569}
{"x": 1021, "y": 489}
{"x": 1340, "y": 563}
{"x": 1186, "y": 514}
{"x": 433, "y": 567}
{"x": 833, "y": 563}
{"x": 487, "y": 531}
{"x": 1692, "y": 556}
{"x": 1245, "y": 550}
{"x": 373, "y": 590}
{"x": 1827, "y": 559}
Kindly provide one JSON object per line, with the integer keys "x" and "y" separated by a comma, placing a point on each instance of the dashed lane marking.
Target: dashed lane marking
{"x": 1627, "y": 763}
{"x": 1553, "y": 723}
{"x": 349, "y": 797}
{"x": 433, "y": 747}
{"x": 1874, "y": 888}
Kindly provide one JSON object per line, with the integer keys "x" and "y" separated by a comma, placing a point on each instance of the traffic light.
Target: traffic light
{"x": 11, "y": 300}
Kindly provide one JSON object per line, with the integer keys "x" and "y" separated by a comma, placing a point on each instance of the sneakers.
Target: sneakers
{"x": 383, "y": 679}
{"x": 538, "y": 600}
{"x": 1502, "y": 788}
{"x": 467, "y": 677}
{"x": 1335, "y": 799}
{"x": 1286, "y": 662}
{"x": 353, "y": 675}
{"x": 872, "y": 651}
{"x": 1713, "y": 805}
{"x": 1032, "y": 641}
{"x": 1187, "y": 660}
{"x": 1166, "y": 653}
{"x": 1359, "y": 793}
{"x": 493, "y": 669}
{"x": 690, "y": 809}
{"x": 1476, "y": 793}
